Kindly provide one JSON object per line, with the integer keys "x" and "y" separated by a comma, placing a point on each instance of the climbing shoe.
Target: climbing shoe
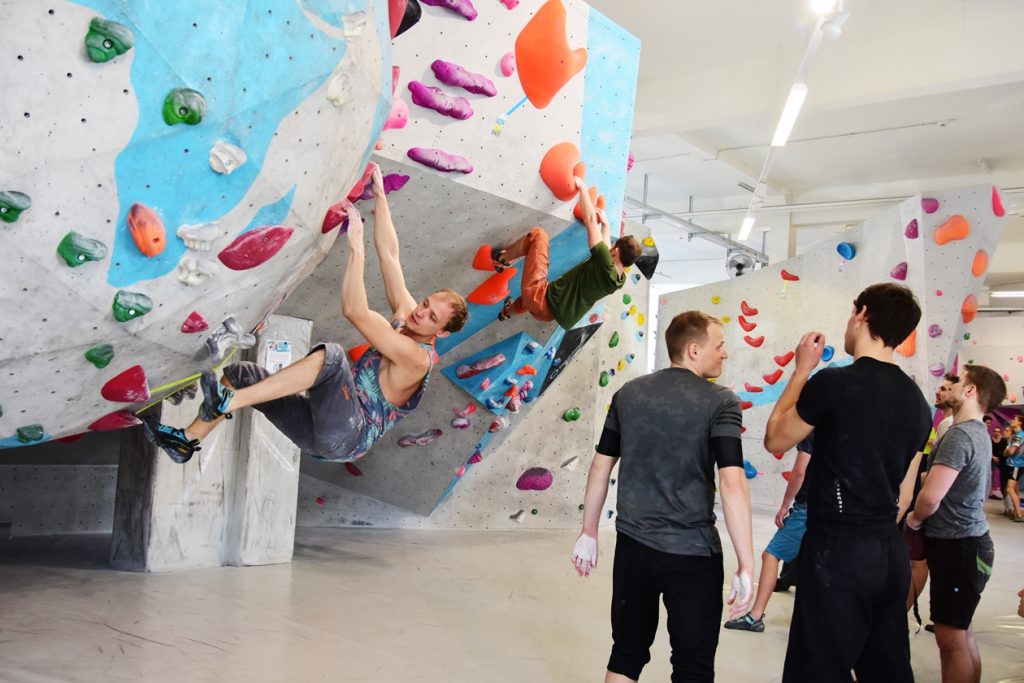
{"x": 171, "y": 439}
{"x": 216, "y": 398}
{"x": 746, "y": 623}
{"x": 506, "y": 309}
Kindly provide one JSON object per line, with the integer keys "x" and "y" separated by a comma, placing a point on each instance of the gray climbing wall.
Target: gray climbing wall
{"x": 900, "y": 245}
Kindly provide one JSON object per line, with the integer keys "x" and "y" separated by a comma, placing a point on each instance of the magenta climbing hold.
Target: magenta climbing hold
{"x": 475, "y": 458}
{"x": 439, "y": 160}
{"x": 937, "y": 369}
{"x": 535, "y": 479}
{"x": 510, "y": 4}
{"x": 899, "y": 271}
{"x": 195, "y": 322}
{"x": 464, "y": 371}
{"x": 118, "y": 419}
{"x": 255, "y": 247}
{"x": 453, "y": 74}
{"x": 399, "y": 115}
{"x": 467, "y": 411}
{"x": 424, "y": 438}
{"x": 434, "y": 98}
{"x": 997, "y": 203}
{"x": 630, "y": 160}
{"x": 929, "y": 204}
{"x": 911, "y": 231}
{"x": 515, "y": 401}
{"x": 507, "y": 64}
{"x": 392, "y": 183}
{"x": 499, "y": 424}
{"x": 462, "y": 7}
{"x": 460, "y": 423}
{"x": 934, "y": 331}
{"x": 128, "y": 387}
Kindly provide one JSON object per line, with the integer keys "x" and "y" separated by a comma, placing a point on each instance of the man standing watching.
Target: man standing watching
{"x": 671, "y": 429}
{"x": 951, "y": 509}
{"x": 869, "y": 421}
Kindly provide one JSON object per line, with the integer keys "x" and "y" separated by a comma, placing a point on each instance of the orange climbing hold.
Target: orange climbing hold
{"x": 908, "y": 347}
{"x": 597, "y": 199}
{"x": 969, "y": 309}
{"x": 997, "y": 203}
{"x": 527, "y": 370}
{"x": 484, "y": 259}
{"x": 956, "y": 228}
{"x": 356, "y": 352}
{"x": 543, "y": 58}
{"x": 980, "y": 264}
{"x": 147, "y": 230}
{"x": 557, "y": 170}
{"x": 493, "y": 290}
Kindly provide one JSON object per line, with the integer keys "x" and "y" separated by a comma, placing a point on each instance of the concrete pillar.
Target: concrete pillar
{"x": 781, "y": 242}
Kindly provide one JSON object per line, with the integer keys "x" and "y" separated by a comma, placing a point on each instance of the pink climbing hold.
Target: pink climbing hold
{"x": 929, "y": 205}
{"x": 510, "y": 4}
{"x": 464, "y": 371}
{"x": 128, "y": 387}
{"x": 117, "y": 420}
{"x": 254, "y": 247}
{"x": 475, "y": 458}
{"x": 463, "y": 7}
{"x": 899, "y": 271}
{"x": 195, "y": 322}
{"x": 499, "y": 424}
{"x": 911, "y": 232}
{"x": 334, "y": 217}
{"x": 630, "y": 160}
{"x": 937, "y": 369}
{"x": 453, "y": 74}
{"x": 439, "y": 160}
{"x": 353, "y": 469}
{"x": 485, "y": 385}
{"x": 393, "y": 182}
{"x": 320, "y": 501}
{"x": 997, "y": 203}
{"x": 507, "y": 64}
{"x": 460, "y": 423}
{"x": 461, "y": 471}
{"x": 434, "y": 98}
{"x": 424, "y": 438}
{"x": 535, "y": 479}
{"x": 399, "y": 116}
{"x": 467, "y": 411}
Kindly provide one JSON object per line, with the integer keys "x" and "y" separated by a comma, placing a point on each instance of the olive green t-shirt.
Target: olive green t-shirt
{"x": 572, "y": 295}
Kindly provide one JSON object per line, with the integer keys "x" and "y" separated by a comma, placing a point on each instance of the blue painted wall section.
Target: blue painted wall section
{"x": 772, "y": 392}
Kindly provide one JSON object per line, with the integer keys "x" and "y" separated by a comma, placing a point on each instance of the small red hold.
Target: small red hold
{"x": 475, "y": 458}
{"x": 779, "y": 456}
{"x": 744, "y": 405}
{"x": 254, "y": 247}
{"x": 752, "y": 388}
{"x": 754, "y": 341}
{"x": 742, "y": 429}
{"x": 128, "y": 387}
{"x": 594, "y": 318}
{"x": 357, "y": 189}
{"x": 467, "y": 411}
{"x": 194, "y": 323}
{"x": 997, "y": 203}
{"x": 773, "y": 377}
{"x": 747, "y": 310}
{"x": 485, "y": 384}
{"x": 784, "y": 359}
{"x": 746, "y": 324}
{"x": 789, "y": 277}
{"x": 356, "y": 352}
{"x": 353, "y": 470}
{"x": 512, "y": 391}
{"x": 117, "y": 420}
{"x": 334, "y": 217}
{"x": 785, "y": 475}
{"x": 319, "y": 500}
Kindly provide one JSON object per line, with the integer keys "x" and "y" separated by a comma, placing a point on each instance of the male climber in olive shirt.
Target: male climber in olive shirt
{"x": 569, "y": 297}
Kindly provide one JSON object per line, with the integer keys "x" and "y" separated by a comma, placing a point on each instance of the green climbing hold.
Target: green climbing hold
{"x": 107, "y": 39}
{"x": 967, "y": 335}
{"x": 627, "y": 299}
{"x": 77, "y": 250}
{"x": 30, "y": 433}
{"x": 184, "y": 105}
{"x": 101, "y": 355}
{"x": 130, "y": 305}
{"x": 571, "y": 415}
{"x": 12, "y": 204}
{"x": 614, "y": 341}
{"x": 604, "y": 379}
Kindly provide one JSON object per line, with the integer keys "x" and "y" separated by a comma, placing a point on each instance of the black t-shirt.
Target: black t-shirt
{"x": 807, "y": 446}
{"x": 662, "y": 426}
{"x": 999, "y": 450}
{"x": 870, "y": 419}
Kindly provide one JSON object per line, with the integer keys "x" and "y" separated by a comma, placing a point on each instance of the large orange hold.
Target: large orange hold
{"x": 908, "y": 347}
{"x": 494, "y": 290}
{"x": 980, "y": 264}
{"x": 969, "y": 309}
{"x": 147, "y": 230}
{"x": 556, "y": 170}
{"x": 543, "y": 58}
{"x": 356, "y": 352}
{"x": 597, "y": 199}
{"x": 956, "y": 228}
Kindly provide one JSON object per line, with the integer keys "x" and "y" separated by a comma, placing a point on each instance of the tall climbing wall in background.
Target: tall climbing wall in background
{"x": 938, "y": 244}
{"x": 167, "y": 168}
{"x": 995, "y": 342}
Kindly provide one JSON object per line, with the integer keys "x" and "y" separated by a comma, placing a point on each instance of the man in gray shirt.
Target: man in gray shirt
{"x": 670, "y": 429}
{"x": 950, "y": 508}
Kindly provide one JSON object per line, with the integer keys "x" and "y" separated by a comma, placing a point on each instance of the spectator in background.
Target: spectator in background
{"x": 1015, "y": 462}
{"x": 1005, "y": 471}
{"x": 999, "y": 443}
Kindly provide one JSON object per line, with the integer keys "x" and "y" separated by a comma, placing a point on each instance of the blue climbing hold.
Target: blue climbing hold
{"x": 846, "y": 250}
{"x": 827, "y": 353}
{"x": 749, "y": 469}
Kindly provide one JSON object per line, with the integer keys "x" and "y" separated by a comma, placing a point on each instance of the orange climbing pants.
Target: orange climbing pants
{"x": 534, "y": 300}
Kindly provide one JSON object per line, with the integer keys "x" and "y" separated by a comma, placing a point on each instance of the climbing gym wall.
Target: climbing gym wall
{"x": 938, "y": 244}
{"x": 168, "y": 167}
{"x": 994, "y": 341}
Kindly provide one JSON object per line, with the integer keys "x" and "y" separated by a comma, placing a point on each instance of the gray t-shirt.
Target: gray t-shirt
{"x": 661, "y": 426}
{"x": 967, "y": 448}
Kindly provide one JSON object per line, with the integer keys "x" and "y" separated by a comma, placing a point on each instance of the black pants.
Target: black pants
{"x": 691, "y": 588}
{"x": 850, "y": 611}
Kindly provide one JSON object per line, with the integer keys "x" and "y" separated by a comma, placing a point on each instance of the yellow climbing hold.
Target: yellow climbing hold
{"x": 632, "y": 309}
{"x": 725, "y": 319}
{"x": 641, "y": 319}
{"x": 621, "y": 365}
{"x": 715, "y": 300}
{"x": 648, "y": 241}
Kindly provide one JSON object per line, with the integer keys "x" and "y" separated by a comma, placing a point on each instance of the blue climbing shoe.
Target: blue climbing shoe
{"x": 171, "y": 439}
{"x": 746, "y": 623}
{"x": 216, "y": 398}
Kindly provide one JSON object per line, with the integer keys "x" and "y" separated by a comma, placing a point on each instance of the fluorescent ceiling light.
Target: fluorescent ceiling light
{"x": 823, "y": 7}
{"x": 1006, "y": 294}
{"x": 833, "y": 28}
{"x": 748, "y": 225}
{"x": 797, "y": 95}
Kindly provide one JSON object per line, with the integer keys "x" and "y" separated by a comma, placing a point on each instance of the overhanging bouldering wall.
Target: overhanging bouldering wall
{"x": 166, "y": 166}
{"x": 938, "y": 244}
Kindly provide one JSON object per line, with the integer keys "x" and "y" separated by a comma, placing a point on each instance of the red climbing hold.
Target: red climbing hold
{"x": 116, "y": 420}
{"x": 334, "y": 217}
{"x": 997, "y": 203}
{"x": 746, "y": 324}
{"x": 71, "y": 438}
{"x": 254, "y": 247}
{"x": 319, "y": 501}
{"x": 773, "y": 377}
{"x": 556, "y": 170}
{"x": 484, "y": 259}
{"x": 752, "y": 388}
{"x": 779, "y": 456}
{"x": 785, "y": 475}
{"x": 194, "y": 323}
{"x": 742, "y": 429}
{"x": 466, "y": 371}
{"x": 784, "y": 359}
{"x": 356, "y": 352}
{"x": 494, "y": 290}
{"x": 396, "y": 12}
{"x": 527, "y": 370}
{"x": 789, "y": 277}
{"x": 754, "y": 341}
{"x": 128, "y": 387}
{"x": 353, "y": 470}
{"x": 747, "y": 310}
{"x": 744, "y": 405}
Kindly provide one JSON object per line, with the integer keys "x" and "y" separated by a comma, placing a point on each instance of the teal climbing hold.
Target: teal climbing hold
{"x": 184, "y": 105}
{"x": 603, "y": 381}
{"x": 107, "y": 39}
{"x": 572, "y": 414}
{"x": 130, "y": 305}
{"x": 12, "y": 204}
{"x": 614, "y": 341}
{"x": 101, "y": 355}
{"x": 30, "y": 433}
{"x": 77, "y": 250}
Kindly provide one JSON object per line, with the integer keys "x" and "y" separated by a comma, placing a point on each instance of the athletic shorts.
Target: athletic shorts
{"x": 329, "y": 422}
{"x": 1013, "y": 473}
{"x": 785, "y": 544}
{"x": 960, "y": 568}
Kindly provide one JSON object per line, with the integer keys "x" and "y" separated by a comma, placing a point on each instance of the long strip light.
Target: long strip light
{"x": 748, "y": 225}
{"x": 1006, "y": 294}
{"x": 795, "y": 101}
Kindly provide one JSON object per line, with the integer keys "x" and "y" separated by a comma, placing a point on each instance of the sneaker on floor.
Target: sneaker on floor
{"x": 171, "y": 439}
{"x": 216, "y": 397}
{"x": 746, "y": 623}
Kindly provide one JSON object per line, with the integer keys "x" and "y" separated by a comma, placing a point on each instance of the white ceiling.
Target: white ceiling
{"x": 915, "y": 95}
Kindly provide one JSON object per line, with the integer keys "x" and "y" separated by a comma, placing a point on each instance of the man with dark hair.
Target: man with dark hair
{"x": 1014, "y": 455}
{"x": 569, "y": 297}
{"x": 348, "y": 409}
{"x": 951, "y": 510}
{"x": 869, "y": 421}
{"x": 671, "y": 429}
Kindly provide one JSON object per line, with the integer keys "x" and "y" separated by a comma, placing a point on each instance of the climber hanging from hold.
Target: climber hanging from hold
{"x": 347, "y": 409}
{"x": 569, "y": 297}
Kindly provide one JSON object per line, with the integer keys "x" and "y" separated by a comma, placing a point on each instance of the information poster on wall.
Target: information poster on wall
{"x": 279, "y": 354}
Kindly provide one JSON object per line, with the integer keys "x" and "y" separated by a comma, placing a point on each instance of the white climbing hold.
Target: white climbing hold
{"x": 193, "y": 271}
{"x": 354, "y": 24}
{"x": 199, "y": 237}
{"x": 518, "y": 517}
{"x": 339, "y": 89}
{"x": 226, "y": 158}
{"x": 570, "y": 464}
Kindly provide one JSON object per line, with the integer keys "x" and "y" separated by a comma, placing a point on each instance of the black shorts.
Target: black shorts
{"x": 960, "y": 568}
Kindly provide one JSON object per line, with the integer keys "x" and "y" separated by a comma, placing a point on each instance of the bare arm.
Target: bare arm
{"x": 597, "y": 491}
{"x": 907, "y": 486}
{"x": 785, "y": 426}
{"x": 732, "y": 484}
{"x": 936, "y": 486}
{"x": 590, "y": 222}
{"x": 796, "y": 480}
{"x": 385, "y": 239}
